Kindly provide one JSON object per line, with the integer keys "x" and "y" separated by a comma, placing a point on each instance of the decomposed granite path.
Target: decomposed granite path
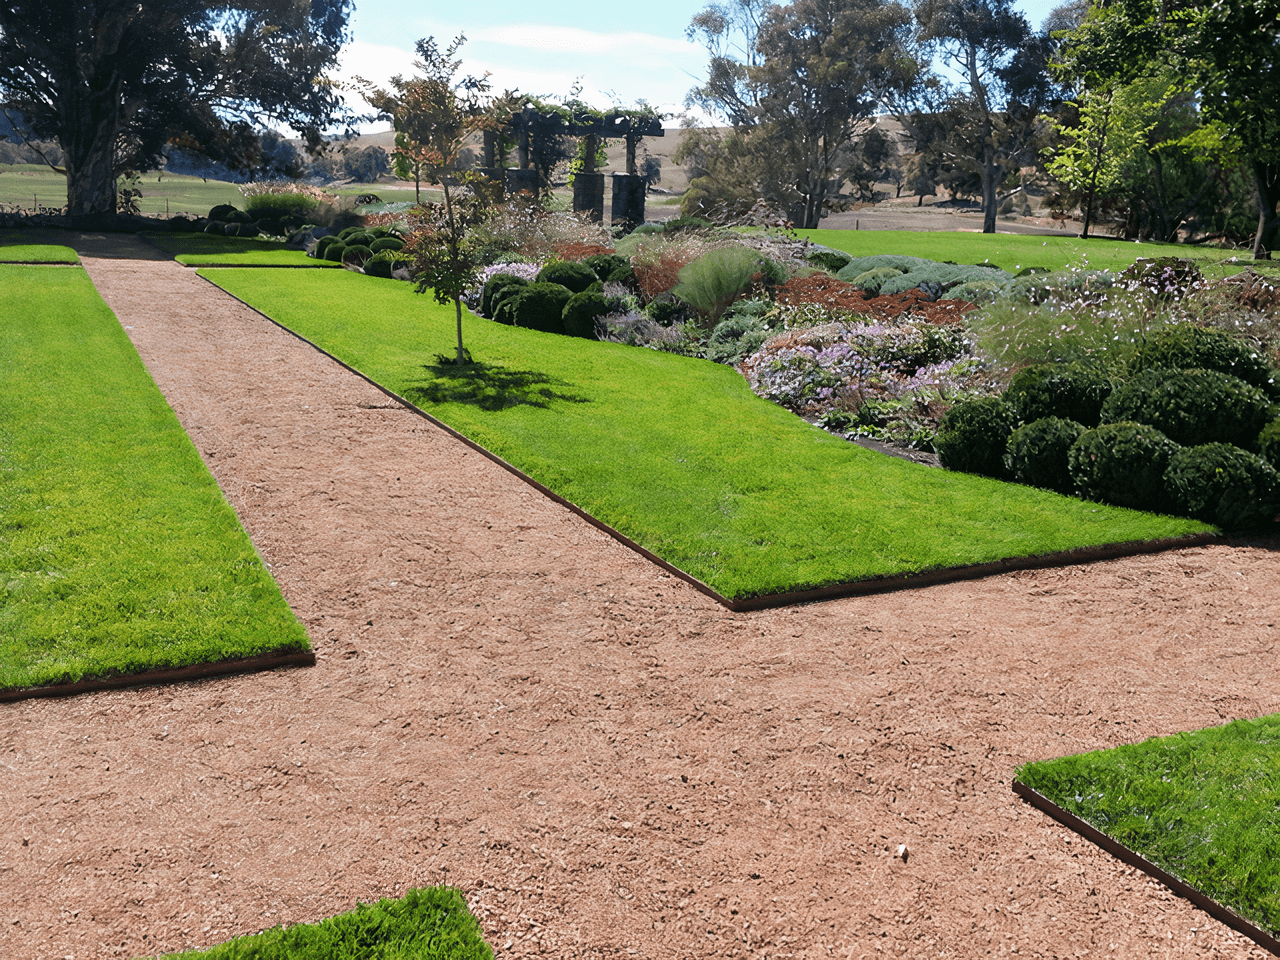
{"x": 606, "y": 762}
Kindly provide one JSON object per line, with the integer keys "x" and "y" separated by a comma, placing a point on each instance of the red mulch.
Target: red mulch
{"x": 837, "y": 295}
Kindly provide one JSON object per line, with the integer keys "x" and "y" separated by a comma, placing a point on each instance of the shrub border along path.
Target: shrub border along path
{"x": 869, "y": 585}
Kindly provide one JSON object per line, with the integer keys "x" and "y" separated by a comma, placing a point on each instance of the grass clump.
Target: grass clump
{"x": 1204, "y": 806}
{"x": 425, "y": 924}
{"x": 677, "y": 453}
{"x": 118, "y": 553}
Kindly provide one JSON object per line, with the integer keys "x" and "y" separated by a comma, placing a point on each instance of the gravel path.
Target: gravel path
{"x": 606, "y": 762}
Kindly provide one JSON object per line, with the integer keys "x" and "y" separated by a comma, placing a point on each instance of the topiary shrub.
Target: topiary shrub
{"x": 580, "y": 312}
{"x": 1269, "y": 443}
{"x": 277, "y": 205}
{"x": 1037, "y": 453}
{"x": 974, "y": 435}
{"x": 351, "y": 231}
{"x": 242, "y": 230}
{"x": 1186, "y": 346}
{"x": 539, "y": 306}
{"x": 386, "y": 243}
{"x": 274, "y": 228}
{"x": 1192, "y": 407}
{"x": 335, "y": 251}
{"x": 217, "y": 228}
{"x": 323, "y": 244}
{"x": 494, "y": 288}
{"x": 605, "y": 265}
{"x": 1123, "y": 464}
{"x": 378, "y": 268}
{"x": 833, "y": 261}
{"x": 356, "y": 253}
{"x": 1223, "y": 485}
{"x": 1071, "y": 391}
{"x": 222, "y": 211}
{"x": 872, "y": 280}
{"x": 576, "y": 277}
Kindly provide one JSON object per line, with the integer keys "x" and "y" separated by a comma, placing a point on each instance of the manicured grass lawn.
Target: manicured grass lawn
{"x": 16, "y": 247}
{"x": 426, "y": 924}
{"x": 1014, "y": 252}
{"x": 118, "y": 553}
{"x": 677, "y": 453}
{"x": 23, "y": 183}
{"x": 202, "y": 250}
{"x": 1204, "y": 806}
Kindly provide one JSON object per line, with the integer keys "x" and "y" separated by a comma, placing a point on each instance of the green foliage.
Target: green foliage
{"x": 1187, "y": 345}
{"x": 711, "y": 283}
{"x": 539, "y": 306}
{"x": 1192, "y": 407}
{"x": 976, "y": 291}
{"x": 242, "y": 230}
{"x": 430, "y": 923}
{"x": 576, "y": 277}
{"x": 222, "y": 211}
{"x": 1269, "y": 443}
{"x": 107, "y": 570}
{"x": 1073, "y": 391}
{"x": 1165, "y": 278}
{"x": 356, "y": 253}
{"x": 974, "y": 435}
{"x": 608, "y": 266}
{"x": 1124, "y": 464}
{"x": 737, "y": 336}
{"x": 374, "y": 267}
{"x": 495, "y": 288}
{"x": 1200, "y": 805}
{"x": 685, "y": 224}
{"x": 677, "y": 453}
{"x": 580, "y": 312}
{"x": 900, "y": 263}
{"x": 280, "y": 205}
{"x": 335, "y": 251}
{"x": 1037, "y": 453}
{"x": 833, "y": 261}
{"x": 386, "y": 243}
{"x": 323, "y": 244}
{"x": 1223, "y": 485}
{"x": 665, "y": 311}
{"x": 938, "y": 277}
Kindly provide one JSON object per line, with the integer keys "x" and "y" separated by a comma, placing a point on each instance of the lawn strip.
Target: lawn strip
{"x": 16, "y": 247}
{"x": 204, "y": 250}
{"x": 677, "y": 454}
{"x": 1015, "y": 251}
{"x": 1199, "y": 811}
{"x": 120, "y": 555}
{"x": 432, "y": 923}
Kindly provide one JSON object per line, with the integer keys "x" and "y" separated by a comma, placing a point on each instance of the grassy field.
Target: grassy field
{"x": 202, "y": 250}
{"x": 16, "y": 247}
{"x": 119, "y": 553}
{"x": 677, "y": 453}
{"x": 1014, "y": 252}
{"x": 425, "y": 924}
{"x": 1204, "y": 806}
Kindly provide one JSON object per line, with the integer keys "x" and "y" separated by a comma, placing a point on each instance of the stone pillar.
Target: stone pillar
{"x": 627, "y": 209}
{"x": 519, "y": 180}
{"x": 588, "y": 195}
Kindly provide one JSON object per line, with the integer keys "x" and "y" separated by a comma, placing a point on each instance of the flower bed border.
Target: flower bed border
{"x": 878, "y": 584}
{"x": 1130, "y": 856}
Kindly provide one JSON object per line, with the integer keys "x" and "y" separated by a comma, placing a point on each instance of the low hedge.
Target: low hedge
{"x": 974, "y": 436}
{"x": 1223, "y": 485}
{"x": 1037, "y": 453}
{"x": 1122, "y": 464}
{"x": 1192, "y": 407}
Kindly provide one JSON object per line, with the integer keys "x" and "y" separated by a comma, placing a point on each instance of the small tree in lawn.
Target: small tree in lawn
{"x": 433, "y": 115}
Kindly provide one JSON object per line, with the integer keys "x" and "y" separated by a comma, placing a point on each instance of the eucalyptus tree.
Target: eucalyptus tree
{"x": 114, "y": 81}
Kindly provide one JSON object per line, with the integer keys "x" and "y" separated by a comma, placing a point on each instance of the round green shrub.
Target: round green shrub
{"x": 1192, "y": 407}
{"x": 335, "y": 251}
{"x": 216, "y": 227}
{"x": 386, "y": 243}
{"x": 576, "y": 277}
{"x": 238, "y": 216}
{"x": 378, "y": 268}
{"x": 273, "y": 228}
{"x": 1037, "y": 453}
{"x": 1123, "y": 464}
{"x": 540, "y": 306}
{"x": 1188, "y": 346}
{"x": 1223, "y": 485}
{"x": 605, "y": 265}
{"x": 872, "y": 280}
{"x": 974, "y": 435}
{"x": 580, "y": 312}
{"x": 1071, "y": 391}
{"x": 666, "y": 310}
{"x": 323, "y": 244}
{"x": 833, "y": 261}
{"x": 490, "y": 295}
{"x": 222, "y": 211}
{"x": 975, "y": 291}
{"x": 347, "y": 232}
{"x": 242, "y": 230}
{"x": 1269, "y": 443}
{"x": 356, "y": 253}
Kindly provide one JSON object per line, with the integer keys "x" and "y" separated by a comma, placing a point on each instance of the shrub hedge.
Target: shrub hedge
{"x": 1070, "y": 391}
{"x": 974, "y": 436}
{"x": 1123, "y": 464}
{"x": 1037, "y": 453}
{"x": 1223, "y": 485}
{"x": 1192, "y": 407}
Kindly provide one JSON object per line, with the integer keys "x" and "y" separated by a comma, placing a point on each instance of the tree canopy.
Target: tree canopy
{"x": 114, "y": 81}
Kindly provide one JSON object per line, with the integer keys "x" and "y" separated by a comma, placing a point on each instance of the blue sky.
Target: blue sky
{"x": 619, "y": 52}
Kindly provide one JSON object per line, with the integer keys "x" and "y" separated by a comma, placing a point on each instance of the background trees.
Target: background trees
{"x": 112, "y": 81}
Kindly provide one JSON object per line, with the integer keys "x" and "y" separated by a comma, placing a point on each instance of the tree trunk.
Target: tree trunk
{"x": 87, "y": 133}
{"x": 1267, "y": 180}
{"x": 989, "y": 201}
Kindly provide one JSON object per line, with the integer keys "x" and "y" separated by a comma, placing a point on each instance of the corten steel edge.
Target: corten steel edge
{"x": 1218, "y": 911}
{"x": 855, "y": 588}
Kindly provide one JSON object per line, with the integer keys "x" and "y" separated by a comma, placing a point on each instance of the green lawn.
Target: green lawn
{"x": 203, "y": 250}
{"x": 426, "y": 924}
{"x": 16, "y": 247}
{"x": 1203, "y": 806}
{"x": 677, "y": 453}
{"x": 118, "y": 553}
{"x": 1014, "y": 251}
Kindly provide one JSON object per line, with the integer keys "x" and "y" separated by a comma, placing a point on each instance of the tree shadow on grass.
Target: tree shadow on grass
{"x": 489, "y": 387}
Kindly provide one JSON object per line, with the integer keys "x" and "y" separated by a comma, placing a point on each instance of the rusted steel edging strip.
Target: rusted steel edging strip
{"x": 836, "y": 591}
{"x": 196, "y": 671}
{"x": 1118, "y": 850}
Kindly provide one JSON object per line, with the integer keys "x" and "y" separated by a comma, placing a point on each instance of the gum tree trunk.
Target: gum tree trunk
{"x": 90, "y": 123}
{"x": 1267, "y": 179}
